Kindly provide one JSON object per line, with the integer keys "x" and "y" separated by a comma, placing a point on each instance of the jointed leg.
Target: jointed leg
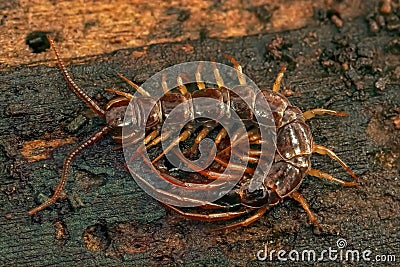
{"x": 203, "y": 133}
{"x": 182, "y": 88}
{"x": 242, "y": 79}
{"x": 134, "y": 85}
{"x": 200, "y": 83}
{"x": 324, "y": 175}
{"x": 319, "y": 111}
{"x": 207, "y": 217}
{"x": 299, "y": 198}
{"x": 164, "y": 84}
{"x": 221, "y": 135}
{"x": 325, "y": 151}
{"x": 279, "y": 77}
{"x": 150, "y": 137}
{"x": 235, "y": 167}
{"x": 182, "y": 137}
{"x": 256, "y": 216}
{"x": 117, "y": 92}
{"x": 218, "y": 78}
{"x": 213, "y": 175}
{"x": 158, "y": 139}
{"x": 252, "y": 138}
{"x": 153, "y": 137}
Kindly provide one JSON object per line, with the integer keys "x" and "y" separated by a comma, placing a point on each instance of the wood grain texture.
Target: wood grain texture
{"x": 85, "y": 28}
{"x": 106, "y": 219}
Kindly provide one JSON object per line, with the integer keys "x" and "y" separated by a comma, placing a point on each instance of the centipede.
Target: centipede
{"x": 291, "y": 159}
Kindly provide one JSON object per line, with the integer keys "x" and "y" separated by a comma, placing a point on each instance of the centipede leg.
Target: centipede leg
{"x": 182, "y": 137}
{"x": 324, "y": 175}
{"x": 238, "y": 68}
{"x": 120, "y": 93}
{"x": 203, "y": 133}
{"x": 233, "y": 166}
{"x": 256, "y": 216}
{"x": 67, "y": 163}
{"x": 174, "y": 181}
{"x": 199, "y": 80}
{"x": 320, "y": 111}
{"x": 252, "y": 135}
{"x": 182, "y": 88}
{"x": 325, "y": 151}
{"x": 218, "y": 77}
{"x": 299, "y": 198}
{"x": 151, "y": 137}
{"x": 213, "y": 175}
{"x": 277, "y": 84}
{"x": 134, "y": 85}
{"x": 220, "y": 136}
{"x": 158, "y": 139}
{"x": 155, "y": 141}
{"x": 207, "y": 217}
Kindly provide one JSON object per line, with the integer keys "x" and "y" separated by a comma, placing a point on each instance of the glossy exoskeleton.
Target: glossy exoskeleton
{"x": 292, "y": 157}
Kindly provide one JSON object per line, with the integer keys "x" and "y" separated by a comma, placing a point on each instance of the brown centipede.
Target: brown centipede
{"x": 291, "y": 160}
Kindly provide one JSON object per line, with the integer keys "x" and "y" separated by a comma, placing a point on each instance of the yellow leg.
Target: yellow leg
{"x": 126, "y": 95}
{"x": 242, "y": 79}
{"x": 319, "y": 111}
{"x": 207, "y": 217}
{"x": 218, "y": 78}
{"x": 203, "y": 133}
{"x": 182, "y": 137}
{"x": 158, "y": 139}
{"x": 221, "y": 135}
{"x": 325, "y": 151}
{"x": 200, "y": 83}
{"x": 279, "y": 77}
{"x": 181, "y": 86}
{"x": 134, "y": 85}
{"x": 299, "y": 198}
{"x": 324, "y": 175}
{"x": 256, "y": 216}
{"x": 164, "y": 84}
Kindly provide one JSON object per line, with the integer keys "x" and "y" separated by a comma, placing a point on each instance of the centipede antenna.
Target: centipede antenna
{"x": 120, "y": 93}
{"x": 67, "y": 163}
{"x": 218, "y": 78}
{"x": 134, "y": 85}
{"x": 242, "y": 79}
{"x": 181, "y": 86}
{"x": 164, "y": 84}
{"x": 78, "y": 91}
{"x": 279, "y": 77}
{"x": 200, "y": 83}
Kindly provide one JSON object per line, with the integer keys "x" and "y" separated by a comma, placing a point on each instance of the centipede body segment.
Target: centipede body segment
{"x": 294, "y": 143}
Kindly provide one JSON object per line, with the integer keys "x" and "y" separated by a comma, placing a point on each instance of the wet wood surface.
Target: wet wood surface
{"x": 106, "y": 219}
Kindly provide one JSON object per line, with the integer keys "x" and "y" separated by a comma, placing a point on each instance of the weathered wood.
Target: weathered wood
{"x": 132, "y": 228}
{"x": 93, "y": 27}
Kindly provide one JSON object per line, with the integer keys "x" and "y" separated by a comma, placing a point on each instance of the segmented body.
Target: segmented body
{"x": 291, "y": 159}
